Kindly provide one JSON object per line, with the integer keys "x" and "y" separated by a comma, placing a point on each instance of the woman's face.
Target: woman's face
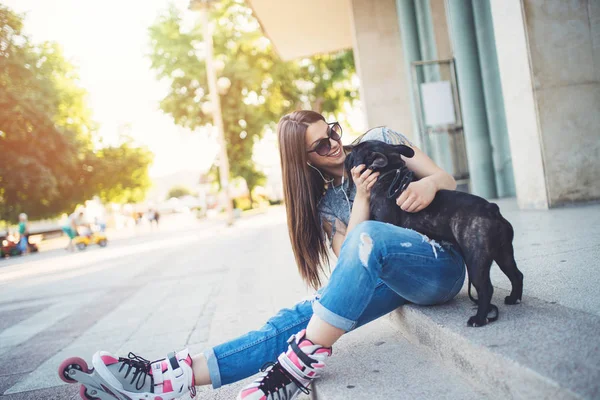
{"x": 336, "y": 156}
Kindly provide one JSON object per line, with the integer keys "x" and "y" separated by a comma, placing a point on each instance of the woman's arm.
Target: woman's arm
{"x": 432, "y": 178}
{"x": 416, "y": 197}
{"x": 364, "y": 179}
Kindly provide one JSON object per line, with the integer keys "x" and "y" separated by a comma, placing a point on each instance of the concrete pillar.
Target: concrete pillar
{"x": 479, "y": 150}
{"x": 494, "y": 102}
{"x": 548, "y": 57}
{"x": 441, "y": 30}
{"x": 380, "y": 65}
{"x": 439, "y": 144}
{"x": 407, "y": 19}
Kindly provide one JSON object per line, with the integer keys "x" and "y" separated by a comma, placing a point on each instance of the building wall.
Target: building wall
{"x": 549, "y": 57}
{"x": 379, "y": 61}
{"x": 565, "y": 59}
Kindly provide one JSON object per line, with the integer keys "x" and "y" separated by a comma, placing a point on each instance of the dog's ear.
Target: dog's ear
{"x": 404, "y": 150}
{"x": 379, "y": 161}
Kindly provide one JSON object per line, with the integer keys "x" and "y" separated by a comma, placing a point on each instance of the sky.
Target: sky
{"x": 108, "y": 42}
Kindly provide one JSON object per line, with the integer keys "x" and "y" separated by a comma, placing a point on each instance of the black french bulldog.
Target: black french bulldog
{"x": 471, "y": 223}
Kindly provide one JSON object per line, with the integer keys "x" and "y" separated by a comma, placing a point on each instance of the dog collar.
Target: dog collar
{"x": 403, "y": 178}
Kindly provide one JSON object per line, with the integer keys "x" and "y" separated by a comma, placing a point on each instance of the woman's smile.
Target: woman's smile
{"x": 337, "y": 153}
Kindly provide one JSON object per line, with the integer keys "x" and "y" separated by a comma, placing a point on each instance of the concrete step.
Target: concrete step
{"x": 376, "y": 362}
{"x": 536, "y": 350}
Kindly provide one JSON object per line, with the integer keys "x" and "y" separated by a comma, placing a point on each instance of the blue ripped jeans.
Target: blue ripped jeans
{"x": 380, "y": 268}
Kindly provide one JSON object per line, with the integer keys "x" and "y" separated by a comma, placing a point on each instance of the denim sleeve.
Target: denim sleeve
{"x": 385, "y": 134}
{"x": 392, "y": 137}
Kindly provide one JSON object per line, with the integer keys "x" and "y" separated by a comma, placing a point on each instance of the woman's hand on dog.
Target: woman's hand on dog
{"x": 417, "y": 196}
{"x": 364, "y": 179}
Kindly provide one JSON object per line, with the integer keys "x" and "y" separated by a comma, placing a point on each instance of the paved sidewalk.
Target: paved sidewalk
{"x": 156, "y": 293}
{"x": 149, "y": 295}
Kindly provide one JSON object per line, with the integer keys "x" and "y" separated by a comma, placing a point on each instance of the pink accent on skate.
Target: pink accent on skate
{"x": 304, "y": 343}
{"x": 188, "y": 361}
{"x": 310, "y": 374}
{"x": 108, "y": 360}
{"x": 158, "y": 398}
{"x": 165, "y": 366}
{"x": 294, "y": 358}
{"x": 248, "y": 392}
{"x": 167, "y": 387}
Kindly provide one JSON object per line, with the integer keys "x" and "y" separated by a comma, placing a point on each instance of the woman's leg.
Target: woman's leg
{"x": 409, "y": 264}
{"x": 416, "y": 268}
{"x": 245, "y": 355}
{"x": 380, "y": 268}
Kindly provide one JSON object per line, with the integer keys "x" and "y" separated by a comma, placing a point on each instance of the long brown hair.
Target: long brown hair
{"x": 303, "y": 187}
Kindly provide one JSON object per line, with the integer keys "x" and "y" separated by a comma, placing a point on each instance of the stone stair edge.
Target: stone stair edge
{"x": 502, "y": 373}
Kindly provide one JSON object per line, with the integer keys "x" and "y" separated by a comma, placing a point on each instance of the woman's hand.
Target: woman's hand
{"x": 417, "y": 196}
{"x": 364, "y": 179}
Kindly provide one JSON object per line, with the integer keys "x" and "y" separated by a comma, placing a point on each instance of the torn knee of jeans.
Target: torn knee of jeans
{"x": 364, "y": 249}
{"x": 435, "y": 246}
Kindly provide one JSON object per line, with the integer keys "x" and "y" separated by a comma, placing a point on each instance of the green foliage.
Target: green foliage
{"x": 179, "y": 191}
{"x": 263, "y": 87}
{"x": 121, "y": 174}
{"x": 48, "y": 163}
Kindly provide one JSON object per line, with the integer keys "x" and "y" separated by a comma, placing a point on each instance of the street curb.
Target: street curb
{"x": 517, "y": 357}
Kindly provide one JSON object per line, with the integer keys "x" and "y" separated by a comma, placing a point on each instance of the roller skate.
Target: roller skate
{"x": 291, "y": 374}
{"x": 131, "y": 378}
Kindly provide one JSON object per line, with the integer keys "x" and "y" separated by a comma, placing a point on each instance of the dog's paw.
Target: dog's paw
{"x": 475, "y": 322}
{"x": 512, "y": 300}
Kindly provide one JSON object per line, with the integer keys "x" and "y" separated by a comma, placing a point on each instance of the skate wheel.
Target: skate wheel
{"x": 70, "y": 364}
{"x": 83, "y": 392}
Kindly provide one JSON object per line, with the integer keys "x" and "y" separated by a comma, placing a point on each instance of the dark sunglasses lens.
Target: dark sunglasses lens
{"x": 336, "y": 132}
{"x": 323, "y": 147}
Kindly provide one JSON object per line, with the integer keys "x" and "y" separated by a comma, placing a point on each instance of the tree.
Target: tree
{"x": 49, "y": 163}
{"x": 121, "y": 172}
{"x": 263, "y": 87}
{"x": 179, "y": 191}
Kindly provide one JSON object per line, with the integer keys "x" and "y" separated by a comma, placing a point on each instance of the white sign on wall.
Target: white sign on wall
{"x": 438, "y": 104}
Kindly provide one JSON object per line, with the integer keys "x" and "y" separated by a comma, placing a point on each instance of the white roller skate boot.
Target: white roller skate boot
{"x": 291, "y": 374}
{"x": 131, "y": 378}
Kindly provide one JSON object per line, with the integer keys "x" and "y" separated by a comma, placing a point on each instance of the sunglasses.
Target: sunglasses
{"x": 323, "y": 147}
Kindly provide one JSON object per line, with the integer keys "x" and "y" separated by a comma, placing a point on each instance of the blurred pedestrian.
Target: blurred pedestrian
{"x": 74, "y": 221}
{"x": 153, "y": 217}
{"x": 23, "y": 233}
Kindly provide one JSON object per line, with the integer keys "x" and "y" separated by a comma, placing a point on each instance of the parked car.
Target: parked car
{"x": 10, "y": 247}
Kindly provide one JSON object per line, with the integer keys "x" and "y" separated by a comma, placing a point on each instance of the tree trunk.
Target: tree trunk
{"x": 250, "y": 196}
{"x": 318, "y": 104}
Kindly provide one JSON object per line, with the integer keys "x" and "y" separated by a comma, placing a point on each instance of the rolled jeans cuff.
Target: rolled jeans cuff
{"x": 331, "y": 318}
{"x": 213, "y": 368}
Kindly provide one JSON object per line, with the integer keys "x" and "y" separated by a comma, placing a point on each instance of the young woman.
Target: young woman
{"x": 379, "y": 268}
